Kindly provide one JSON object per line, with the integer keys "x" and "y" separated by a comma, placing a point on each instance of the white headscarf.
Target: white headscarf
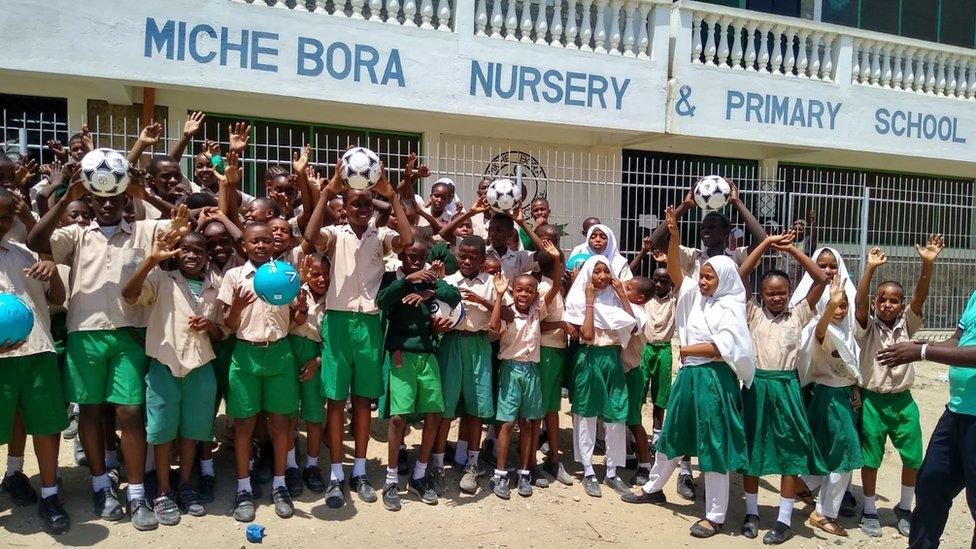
{"x": 841, "y": 335}
{"x": 618, "y": 263}
{"x": 608, "y": 312}
{"x": 724, "y": 315}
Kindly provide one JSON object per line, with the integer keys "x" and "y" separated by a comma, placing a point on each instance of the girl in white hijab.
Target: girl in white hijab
{"x": 705, "y": 409}
{"x": 600, "y": 240}
{"x": 597, "y": 304}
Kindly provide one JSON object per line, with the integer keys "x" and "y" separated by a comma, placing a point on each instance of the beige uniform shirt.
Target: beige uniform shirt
{"x": 877, "y": 336}
{"x": 261, "y": 322}
{"x": 776, "y": 338}
{"x": 659, "y": 327}
{"x": 692, "y": 259}
{"x": 479, "y": 226}
{"x": 555, "y": 339}
{"x": 514, "y": 262}
{"x": 826, "y": 367}
{"x": 99, "y": 267}
{"x": 630, "y": 356}
{"x": 14, "y": 258}
{"x": 171, "y": 304}
{"x": 604, "y": 338}
{"x": 521, "y": 338}
{"x": 476, "y": 316}
{"x": 312, "y": 328}
{"x": 357, "y": 266}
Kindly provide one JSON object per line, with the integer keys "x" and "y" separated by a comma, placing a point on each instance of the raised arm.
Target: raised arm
{"x": 836, "y": 299}
{"x": 928, "y": 255}
{"x": 501, "y": 286}
{"x": 434, "y": 222}
{"x": 163, "y": 248}
{"x": 190, "y": 128}
{"x": 862, "y": 306}
{"x": 755, "y": 256}
{"x": 322, "y": 215}
{"x": 299, "y": 163}
{"x": 816, "y": 274}
{"x": 646, "y": 246}
{"x": 384, "y": 189}
{"x": 661, "y": 234}
{"x": 39, "y": 238}
{"x": 557, "y": 275}
{"x": 411, "y": 174}
{"x": 674, "y": 248}
{"x": 481, "y": 206}
{"x": 753, "y": 227}
{"x": 148, "y": 137}
{"x": 520, "y": 219}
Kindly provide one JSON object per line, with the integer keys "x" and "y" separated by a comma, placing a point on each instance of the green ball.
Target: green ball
{"x": 218, "y": 163}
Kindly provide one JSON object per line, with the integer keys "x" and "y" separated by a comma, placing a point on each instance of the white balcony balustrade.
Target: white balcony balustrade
{"x": 913, "y": 66}
{"x": 426, "y": 14}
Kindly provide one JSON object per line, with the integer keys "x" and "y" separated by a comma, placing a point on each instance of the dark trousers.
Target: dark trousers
{"x": 949, "y": 466}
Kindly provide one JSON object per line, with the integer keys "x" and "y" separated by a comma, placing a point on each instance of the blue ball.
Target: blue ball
{"x": 276, "y": 282}
{"x": 577, "y": 261}
{"x": 16, "y": 319}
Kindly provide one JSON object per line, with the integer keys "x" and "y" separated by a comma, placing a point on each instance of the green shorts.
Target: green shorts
{"x": 519, "y": 391}
{"x": 466, "y": 380}
{"x": 637, "y": 383}
{"x": 179, "y": 406}
{"x": 599, "y": 387}
{"x": 262, "y": 378}
{"x": 311, "y": 402}
{"x": 221, "y": 365}
{"x": 415, "y": 385}
{"x": 892, "y": 415}
{"x": 657, "y": 358}
{"x": 352, "y": 355}
{"x": 105, "y": 366}
{"x": 551, "y": 366}
{"x": 31, "y": 385}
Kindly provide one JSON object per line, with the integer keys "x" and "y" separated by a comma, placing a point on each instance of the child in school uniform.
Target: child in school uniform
{"x": 181, "y": 390}
{"x": 352, "y": 336}
{"x": 888, "y": 408}
{"x": 656, "y": 359}
{"x": 597, "y": 305}
{"x": 777, "y": 429}
{"x": 519, "y": 378}
{"x": 716, "y": 349}
{"x": 414, "y": 387}
{"x": 262, "y": 371}
{"x": 600, "y": 240}
{"x": 30, "y": 380}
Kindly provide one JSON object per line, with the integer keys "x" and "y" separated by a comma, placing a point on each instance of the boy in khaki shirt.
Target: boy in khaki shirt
{"x": 888, "y": 409}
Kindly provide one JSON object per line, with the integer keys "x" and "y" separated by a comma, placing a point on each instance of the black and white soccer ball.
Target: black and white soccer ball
{"x": 440, "y": 309}
{"x": 503, "y": 195}
{"x": 105, "y": 172}
{"x": 712, "y": 193}
{"x": 360, "y": 168}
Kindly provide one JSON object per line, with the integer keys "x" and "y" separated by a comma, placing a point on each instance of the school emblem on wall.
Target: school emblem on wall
{"x": 518, "y": 165}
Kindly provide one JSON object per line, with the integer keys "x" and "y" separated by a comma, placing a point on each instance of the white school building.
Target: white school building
{"x": 610, "y": 108}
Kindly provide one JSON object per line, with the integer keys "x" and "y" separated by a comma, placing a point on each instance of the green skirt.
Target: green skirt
{"x": 777, "y": 431}
{"x": 704, "y": 419}
{"x": 834, "y": 428}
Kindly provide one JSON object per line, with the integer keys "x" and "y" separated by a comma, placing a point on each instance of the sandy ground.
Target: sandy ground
{"x": 555, "y": 516}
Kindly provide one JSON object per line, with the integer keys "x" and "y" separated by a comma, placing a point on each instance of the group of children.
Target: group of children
{"x": 162, "y": 324}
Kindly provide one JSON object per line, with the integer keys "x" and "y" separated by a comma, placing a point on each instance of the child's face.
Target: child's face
{"x": 483, "y": 187}
{"x": 167, "y": 181}
{"x": 889, "y": 303}
{"x": 464, "y": 229}
{"x": 525, "y": 291}
{"x": 359, "y": 208}
{"x": 550, "y": 233}
{"x": 78, "y": 213}
{"x": 714, "y": 232}
{"x": 192, "y": 255}
{"x": 539, "y": 209}
{"x": 108, "y": 210}
{"x": 828, "y": 264}
{"x": 633, "y": 294}
{"x": 6, "y": 216}
{"x": 338, "y": 210}
{"x": 8, "y": 170}
{"x": 499, "y": 233}
{"x": 76, "y": 149}
{"x": 258, "y": 212}
{"x": 662, "y": 283}
{"x": 601, "y": 276}
{"x": 589, "y": 222}
{"x": 840, "y": 313}
{"x": 282, "y": 190}
{"x": 258, "y": 243}
{"x": 203, "y": 171}
{"x": 707, "y": 281}
{"x": 470, "y": 261}
{"x": 414, "y": 258}
{"x": 491, "y": 266}
{"x": 598, "y": 241}
{"x": 220, "y": 243}
{"x": 281, "y": 235}
{"x": 440, "y": 197}
{"x": 775, "y": 294}
{"x": 319, "y": 280}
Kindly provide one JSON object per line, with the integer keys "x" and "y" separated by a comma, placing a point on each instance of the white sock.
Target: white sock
{"x": 655, "y": 435}
{"x": 501, "y": 473}
{"x": 437, "y": 460}
{"x": 419, "y": 469}
{"x": 277, "y": 482}
{"x": 523, "y": 472}
{"x": 685, "y": 467}
{"x": 14, "y": 465}
{"x": 752, "y": 504}
{"x": 311, "y": 461}
{"x": 337, "y": 473}
{"x": 611, "y": 471}
{"x": 136, "y": 491}
{"x": 150, "y": 458}
{"x": 870, "y": 507}
{"x": 907, "y": 494}
{"x": 645, "y": 466}
{"x": 461, "y": 451}
{"x": 112, "y": 459}
{"x": 207, "y": 467}
{"x": 101, "y": 482}
{"x": 290, "y": 462}
{"x": 785, "y": 510}
{"x": 588, "y": 469}
{"x": 244, "y": 484}
{"x": 358, "y": 467}
{"x": 48, "y": 491}
{"x": 391, "y": 475}
{"x": 491, "y": 433}
{"x": 473, "y": 456}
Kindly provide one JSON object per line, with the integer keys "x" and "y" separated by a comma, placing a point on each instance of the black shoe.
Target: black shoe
{"x": 617, "y": 484}
{"x": 166, "y": 511}
{"x": 592, "y": 486}
{"x": 391, "y": 497}
{"x": 53, "y": 515}
{"x": 656, "y": 498}
{"x": 750, "y": 526}
{"x": 142, "y": 516}
{"x": 293, "y": 481}
{"x": 20, "y": 489}
{"x": 904, "y": 519}
{"x": 150, "y": 483}
{"x": 848, "y": 505}
{"x": 435, "y": 477}
{"x": 244, "y": 506}
{"x": 499, "y": 485}
{"x": 487, "y": 451}
{"x": 107, "y": 505}
{"x": 205, "y": 488}
{"x": 403, "y": 467}
{"x": 71, "y": 431}
{"x": 871, "y": 524}
{"x": 525, "y": 485}
{"x": 778, "y": 534}
{"x": 256, "y": 490}
{"x": 686, "y": 487}
{"x": 189, "y": 501}
{"x": 699, "y": 531}
{"x": 281, "y": 499}
{"x": 641, "y": 476}
{"x": 335, "y": 497}
{"x": 363, "y": 488}
{"x": 312, "y": 476}
{"x": 539, "y": 479}
{"x": 423, "y": 490}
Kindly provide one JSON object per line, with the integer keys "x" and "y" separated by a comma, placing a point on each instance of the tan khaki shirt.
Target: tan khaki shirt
{"x": 14, "y": 258}
{"x": 521, "y": 338}
{"x": 692, "y": 259}
{"x": 312, "y": 328}
{"x": 514, "y": 262}
{"x": 553, "y": 338}
{"x": 630, "y": 356}
{"x": 479, "y": 226}
{"x": 877, "y": 336}
{"x": 261, "y": 322}
{"x": 660, "y": 319}
{"x": 776, "y": 338}
{"x": 99, "y": 267}
{"x": 476, "y": 317}
{"x": 827, "y": 368}
{"x": 357, "y": 266}
{"x": 604, "y": 338}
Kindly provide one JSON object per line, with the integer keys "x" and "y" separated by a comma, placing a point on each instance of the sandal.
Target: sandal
{"x": 700, "y": 530}
{"x": 804, "y": 495}
{"x": 826, "y": 524}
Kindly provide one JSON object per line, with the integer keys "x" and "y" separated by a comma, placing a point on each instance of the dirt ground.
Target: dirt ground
{"x": 555, "y": 516}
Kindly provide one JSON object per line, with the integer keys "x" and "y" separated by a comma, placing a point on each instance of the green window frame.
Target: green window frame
{"x": 862, "y": 15}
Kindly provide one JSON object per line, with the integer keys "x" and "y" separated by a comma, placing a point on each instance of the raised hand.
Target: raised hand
{"x": 238, "y": 136}
{"x": 383, "y": 187}
{"x": 180, "y": 222}
{"x": 57, "y": 148}
{"x": 26, "y": 170}
{"x": 164, "y": 246}
{"x": 659, "y": 256}
{"x": 734, "y": 196}
{"x": 550, "y": 249}
{"x": 423, "y": 275}
{"x": 193, "y": 123}
{"x": 932, "y": 249}
{"x": 87, "y": 142}
{"x": 500, "y": 283}
{"x": 438, "y": 267}
{"x": 877, "y": 258}
{"x": 299, "y": 159}
{"x": 305, "y": 269}
{"x": 76, "y": 189}
{"x": 242, "y": 298}
{"x": 232, "y": 169}
{"x": 672, "y": 220}
{"x": 837, "y": 293}
{"x": 417, "y": 298}
{"x": 149, "y": 135}
{"x": 42, "y": 270}
{"x": 647, "y": 244}
{"x": 481, "y": 205}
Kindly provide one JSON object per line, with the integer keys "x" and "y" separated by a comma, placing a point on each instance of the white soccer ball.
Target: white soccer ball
{"x": 712, "y": 193}
{"x": 439, "y": 309}
{"x": 503, "y": 195}
{"x": 105, "y": 172}
{"x": 360, "y": 168}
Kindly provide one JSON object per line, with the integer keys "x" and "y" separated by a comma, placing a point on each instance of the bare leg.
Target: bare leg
{"x": 552, "y": 435}
{"x": 281, "y": 437}
{"x": 395, "y": 430}
{"x": 188, "y": 450}
{"x": 360, "y": 424}
{"x": 640, "y": 440}
{"x": 869, "y": 480}
{"x": 529, "y": 434}
{"x": 428, "y": 436}
{"x": 504, "y": 438}
{"x": 243, "y": 430}
{"x": 473, "y": 431}
{"x": 92, "y": 437}
{"x": 46, "y": 447}
{"x": 133, "y": 427}
{"x": 162, "y": 453}
{"x": 313, "y": 439}
{"x": 443, "y": 431}
{"x": 336, "y": 411}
